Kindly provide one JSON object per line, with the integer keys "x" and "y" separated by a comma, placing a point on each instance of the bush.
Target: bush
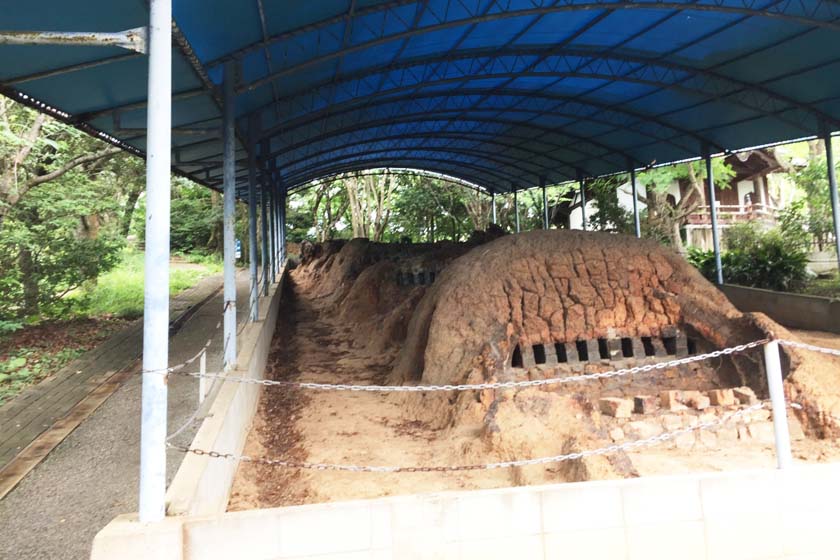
{"x": 756, "y": 258}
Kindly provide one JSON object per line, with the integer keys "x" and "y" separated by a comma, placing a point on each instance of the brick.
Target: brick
{"x": 763, "y": 432}
{"x": 707, "y": 439}
{"x": 614, "y": 347}
{"x": 722, "y": 397}
{"x": 682, "y": 345}
{"x": 638, "y": 348}
{"x": 571, "y": 353}
{"x": 745, "y": 395}
{"x": 618, "y": 408}
{"x": 658, "y": 347}
{"x": 697, "y": 401}
{"x": 645, "y": 404}
{"x": 670, "y": 400}
{"x": 643, "y": 430}
{"x": 592, "y": 350}
{"x": 617, "y": 434}
{"x": 685, "y": 441}
{"x": 671, "y": 422}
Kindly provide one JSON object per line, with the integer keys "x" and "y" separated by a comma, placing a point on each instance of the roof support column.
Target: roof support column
{"x": 545, "y": 203}
{"x": 582, "y": 201}
{"x": 272, "y": 228}
{"x": 281, "y": 206}
{"x": 156, "y": 275}
{"x": 252, "y": 224}
{"x": 229, "y": 166}
{"x": 634, "y": 188}
{"x": 713, "y": 213}
{"x": 266, "y": 260}
{"x": 832, "y": 186}
{"x": 516, "y": 210}
{"x": 493, "y": 203}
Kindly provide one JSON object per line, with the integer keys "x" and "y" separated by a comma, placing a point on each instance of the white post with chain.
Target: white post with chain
{"x": 773, "y": 365}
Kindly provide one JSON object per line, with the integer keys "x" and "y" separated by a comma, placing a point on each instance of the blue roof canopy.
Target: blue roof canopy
{"x": 499, "y": 93}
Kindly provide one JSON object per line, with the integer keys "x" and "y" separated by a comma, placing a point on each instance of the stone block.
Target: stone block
{"x": 697, "y": 401}
{"x": 615, "y": 407}
{"x": 682, "y": 345}
{"x": 745, "y": 395}
{"x": 670, "y": 400}
{"x": 643, "y": 429}
{"x": 638, "y": 348}
{"x": 617, "y": 434}
{"x": 672, "y": 422}
{"x": 645, "y": 404}
{"x": 658, "y": 348}
{"x": 727, "y": 434}
{"x": 571, "y": 353}
{"x": 527, "y": 356}
{"x": 614, "y": 347}
{"x": 592, "y": 350}
{"x": 685, "y": 441}
{"x": 722, "y": 397}
{"x": 763, "y": 432}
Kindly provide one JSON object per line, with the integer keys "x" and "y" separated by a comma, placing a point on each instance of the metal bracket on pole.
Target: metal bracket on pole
{"x": 773, "y": 365}
{"x": 131, "y": 39}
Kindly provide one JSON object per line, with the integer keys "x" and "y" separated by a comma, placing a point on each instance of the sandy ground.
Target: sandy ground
{"x": 376, "y": 429}
{"x": 92, "y": 476}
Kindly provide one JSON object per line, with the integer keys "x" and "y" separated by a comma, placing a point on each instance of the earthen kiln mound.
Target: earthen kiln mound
{"x": 529, "y": 306}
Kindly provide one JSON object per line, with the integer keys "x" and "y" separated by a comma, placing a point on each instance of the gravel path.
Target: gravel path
{"x": 93, "y": 475}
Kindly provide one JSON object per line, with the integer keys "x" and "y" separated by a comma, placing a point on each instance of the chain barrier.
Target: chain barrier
{"x": 182, "y": 365}
{"x": 480, "y": 386}
{"x": 648, "y": 442}
{"x": 811, "y": 347}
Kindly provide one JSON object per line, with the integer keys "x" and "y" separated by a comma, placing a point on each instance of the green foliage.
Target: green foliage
{"x": 610, "y": 215}
{"x": 813, "y": 180}
{"x": 119, "y": 293}
{"x": 53, "y": 242}
{"x": 756, "y": 258}
{"x": 28, "y": 365}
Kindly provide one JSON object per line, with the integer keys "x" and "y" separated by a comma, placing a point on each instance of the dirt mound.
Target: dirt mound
{"x": 530, "y": 306}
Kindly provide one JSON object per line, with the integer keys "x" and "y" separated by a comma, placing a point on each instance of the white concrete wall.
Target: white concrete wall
{"x": 202, "y": 484}
{"x": 743, "y": 515}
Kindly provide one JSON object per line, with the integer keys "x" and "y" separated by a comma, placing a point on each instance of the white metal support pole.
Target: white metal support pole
{"x": 229, "y": 166}
{"x": 545, "y": 203}
{"x": 773, "y": 365}
{"x": 516, "y": 210}
{"x": 493, "y": 204}
{"x": 582, "y": 201}
{"x": 156, "y": 276}
{"x": 832, "y": 186}
{"x": 713, "y": 213}
{"x": 272, "y": 227}
{"x": 282, "y": 211}
{"x": 252, "y": 224}
{"x": 264, "y": 222}
{"x": 635, "y": 190}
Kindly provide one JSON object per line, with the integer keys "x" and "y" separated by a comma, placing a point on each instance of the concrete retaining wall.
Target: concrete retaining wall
{"x": 743, "y": 515}
{"x": 791, "y": 310}
{"x": 202, "y": 484}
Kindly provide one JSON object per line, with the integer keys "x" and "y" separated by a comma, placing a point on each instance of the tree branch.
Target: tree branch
{"x": 72, "y": 164}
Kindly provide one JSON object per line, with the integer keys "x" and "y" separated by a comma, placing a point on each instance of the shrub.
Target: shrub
{"x": 756, "y": 258}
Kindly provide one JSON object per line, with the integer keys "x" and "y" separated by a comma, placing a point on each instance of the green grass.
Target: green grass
{"x": 119, "y": 293}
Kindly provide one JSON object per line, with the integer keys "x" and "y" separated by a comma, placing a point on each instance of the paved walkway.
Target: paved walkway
{"x": 93, "y": 475}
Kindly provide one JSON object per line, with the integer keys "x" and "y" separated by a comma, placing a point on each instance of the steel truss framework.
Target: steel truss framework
{"x": 506, "y": 92}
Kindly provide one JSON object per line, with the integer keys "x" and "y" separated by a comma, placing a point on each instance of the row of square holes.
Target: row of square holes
{"x": 582, "y": 350}
{"x": 419, "y": 279}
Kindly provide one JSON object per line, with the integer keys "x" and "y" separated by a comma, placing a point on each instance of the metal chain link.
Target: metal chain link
{"x": 481, "y": 386}
{"x": 182, "y": 365}
{"x": 811, "y": 347}
{"x": 648, "y": 442}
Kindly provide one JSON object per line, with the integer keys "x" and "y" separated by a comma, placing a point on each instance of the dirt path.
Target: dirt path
{"x": 340, "y": 427}
{"x": 92, "y": 476}
{"x": 311, "y": 344}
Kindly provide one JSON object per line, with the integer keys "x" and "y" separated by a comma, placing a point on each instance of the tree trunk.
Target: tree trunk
{"x": 29, "y": 278}
{"x": 128, "y": 213}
